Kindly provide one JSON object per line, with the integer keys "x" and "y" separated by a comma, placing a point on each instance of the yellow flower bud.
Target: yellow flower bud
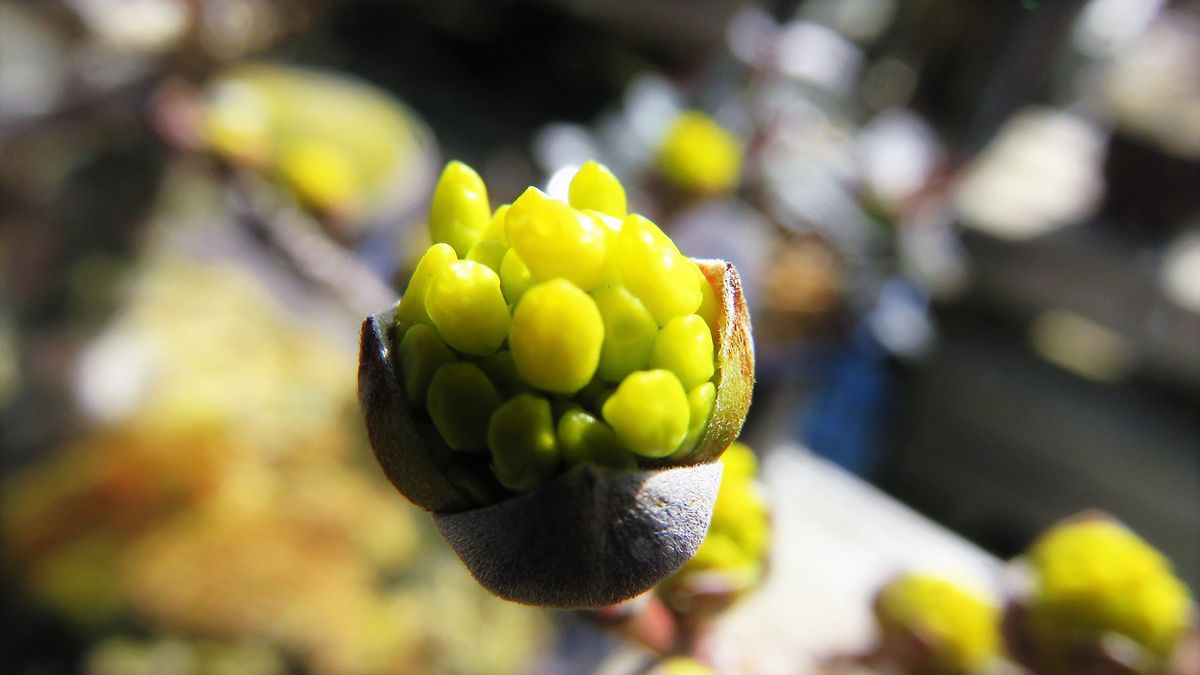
{"x": 1096, "y": 576}
{"x": 421, "y": 353}
{"x": 459, "y": 212}
{"x": 701, "y": 400}
{"x": 595, "y": 187}
{"x": 684, "y": 346}
{"x": 521, "y": 439}
{"x": 495, "y": 230}
{"x": 649, "y": 413}
{"x": 963, "y": 628}
{"x": 585, "y": 439}
{"x": 629, "y": 333}
{"x": 555, "y": 240}
{"x": 466, "y": 305}
{"x": 556, "y": 337}
{"x": 460, "y": 401}
{"x": 515, "y": 277}
{"x": 654, "y": 271}
{"x": 488, "y": 252}
{"x": 708, "y": 301}
{"x": 412, "y": 305}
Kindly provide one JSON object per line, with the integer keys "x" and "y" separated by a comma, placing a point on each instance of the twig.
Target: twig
{"x": 303, "y": 242}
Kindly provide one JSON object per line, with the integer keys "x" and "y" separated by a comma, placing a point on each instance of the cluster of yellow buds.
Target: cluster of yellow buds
{"x": 698, "y": 156}
{"x": 338, "y": 145}
{"x": 1095, "y": 577}
{"x": 960, "y": 629}
{"x": 551, "y": 333}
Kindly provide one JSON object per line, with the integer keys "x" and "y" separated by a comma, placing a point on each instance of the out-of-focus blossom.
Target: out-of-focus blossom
{"x": 342, "y": 148}
{"x": 860, "y": 20}
{"x": 1106, "y": 26}
{"x": 1041, "y": 172}
{"x": 898, "y": 152}
{"x": 1093, "y": 578}
{"x": 1181, "y": 270}
{"x": 135, "y": 25}
{"x": 817, "y": 56}
{"x": 698, "y": 156}
{"x": 959, "y": 630}
{"x": 1153, "y": 86}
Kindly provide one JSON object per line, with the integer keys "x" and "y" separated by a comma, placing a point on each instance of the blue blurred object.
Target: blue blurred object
{"x": 846, "y": 419}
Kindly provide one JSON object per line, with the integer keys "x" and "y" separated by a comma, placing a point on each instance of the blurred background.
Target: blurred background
{"x": 969, "y": 234}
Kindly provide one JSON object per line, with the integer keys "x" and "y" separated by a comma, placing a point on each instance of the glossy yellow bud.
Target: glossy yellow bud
{"x": 583, "y": 439}
{"x": 653, "y": 270}
{"x": 555, "y": 240}
{"x": 459, "y": 212}
{"x": 629, "y": 333}
{"x": 412, "y": 305}
{"x": 488, "y": 252}
{"x": 502, "y": 371}
{"x": 611, "y": 223}
{"x": 556, "y": 337}
{"x": 495, "y": 230}
{"x": 649, "y": 413}
{"x": 595, "y": 187}
{"x": 701, "y": 400}
{"x": 460, "y": 401}
{"x": 421, "y": 353}
{"x": 521, "y": 438}
{"x": 684, "y": 346}
{"x": 708, "y": 300}
{"x": 467, "y": 308}
{"x": 515, "y": 278}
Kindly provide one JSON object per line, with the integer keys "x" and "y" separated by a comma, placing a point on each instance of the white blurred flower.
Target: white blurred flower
{"x": 1042, "y": 171}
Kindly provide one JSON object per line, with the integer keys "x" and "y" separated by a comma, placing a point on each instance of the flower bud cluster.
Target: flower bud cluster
{"x": 1094, "y": 577}
{"x": 550, "y": 333}
{"x": 961, "y": 629}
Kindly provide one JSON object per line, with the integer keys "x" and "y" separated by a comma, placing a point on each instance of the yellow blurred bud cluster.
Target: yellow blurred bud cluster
{"x": 961, "y": 627}
{"x": 698, "y": 156}
{"x": 1095, "y": 577}
{"x": 339, "y": 146}
{"x": 548, "y": 333}
{"x": 739, "y": 535}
